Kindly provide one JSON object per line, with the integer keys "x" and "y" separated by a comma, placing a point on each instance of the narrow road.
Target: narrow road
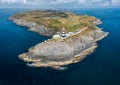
{"x": 81, "y": 30}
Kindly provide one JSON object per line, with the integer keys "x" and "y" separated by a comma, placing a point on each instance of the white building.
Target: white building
{"x": 56, "y": 36}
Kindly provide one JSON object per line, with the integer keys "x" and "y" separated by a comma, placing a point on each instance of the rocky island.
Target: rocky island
{"x": 73, "y": 37}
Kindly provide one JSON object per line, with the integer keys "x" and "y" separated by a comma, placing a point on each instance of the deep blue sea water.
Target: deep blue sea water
{"x": 100, "y": 68}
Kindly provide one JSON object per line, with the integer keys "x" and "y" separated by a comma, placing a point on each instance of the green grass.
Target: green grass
{"x": 55, "y": 24}
{"x": 56, "y": 20}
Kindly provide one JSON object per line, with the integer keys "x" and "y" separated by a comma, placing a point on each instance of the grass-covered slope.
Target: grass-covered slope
{"x": 56, "y": 20}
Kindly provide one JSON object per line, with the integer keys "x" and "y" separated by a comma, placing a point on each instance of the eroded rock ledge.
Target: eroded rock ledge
{"x": 57, "y": 52}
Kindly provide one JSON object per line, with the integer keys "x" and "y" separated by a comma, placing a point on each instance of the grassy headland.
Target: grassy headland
{"x": 56, "y": 20}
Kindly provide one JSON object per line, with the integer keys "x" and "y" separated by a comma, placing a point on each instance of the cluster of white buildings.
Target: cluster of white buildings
{"x": 63, "y": 34}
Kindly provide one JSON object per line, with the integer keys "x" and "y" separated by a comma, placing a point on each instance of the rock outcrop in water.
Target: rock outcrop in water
{"x": 61, "y": 51}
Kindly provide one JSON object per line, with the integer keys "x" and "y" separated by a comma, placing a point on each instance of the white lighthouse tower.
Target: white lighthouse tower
{"x": 63, "y": 32}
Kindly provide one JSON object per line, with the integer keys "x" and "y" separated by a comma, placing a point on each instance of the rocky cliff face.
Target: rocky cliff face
{"x": 34, "y": 27}
{"x": 62, "y": 52}
{"x": 55, "y": 53}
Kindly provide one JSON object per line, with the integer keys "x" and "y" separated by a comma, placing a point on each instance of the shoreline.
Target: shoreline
{"x": 57, "y": 65}
{"x": 78, "y": 58}
{"x": 92, "y": 38}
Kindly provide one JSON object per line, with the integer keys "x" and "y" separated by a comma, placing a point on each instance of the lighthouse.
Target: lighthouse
{"x": 63, "y": 32}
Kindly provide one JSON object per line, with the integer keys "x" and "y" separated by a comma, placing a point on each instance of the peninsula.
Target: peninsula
{"x": 73, "y": 37}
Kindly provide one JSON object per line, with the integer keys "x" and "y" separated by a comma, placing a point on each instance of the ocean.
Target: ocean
{"x": 99, "y": 68}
